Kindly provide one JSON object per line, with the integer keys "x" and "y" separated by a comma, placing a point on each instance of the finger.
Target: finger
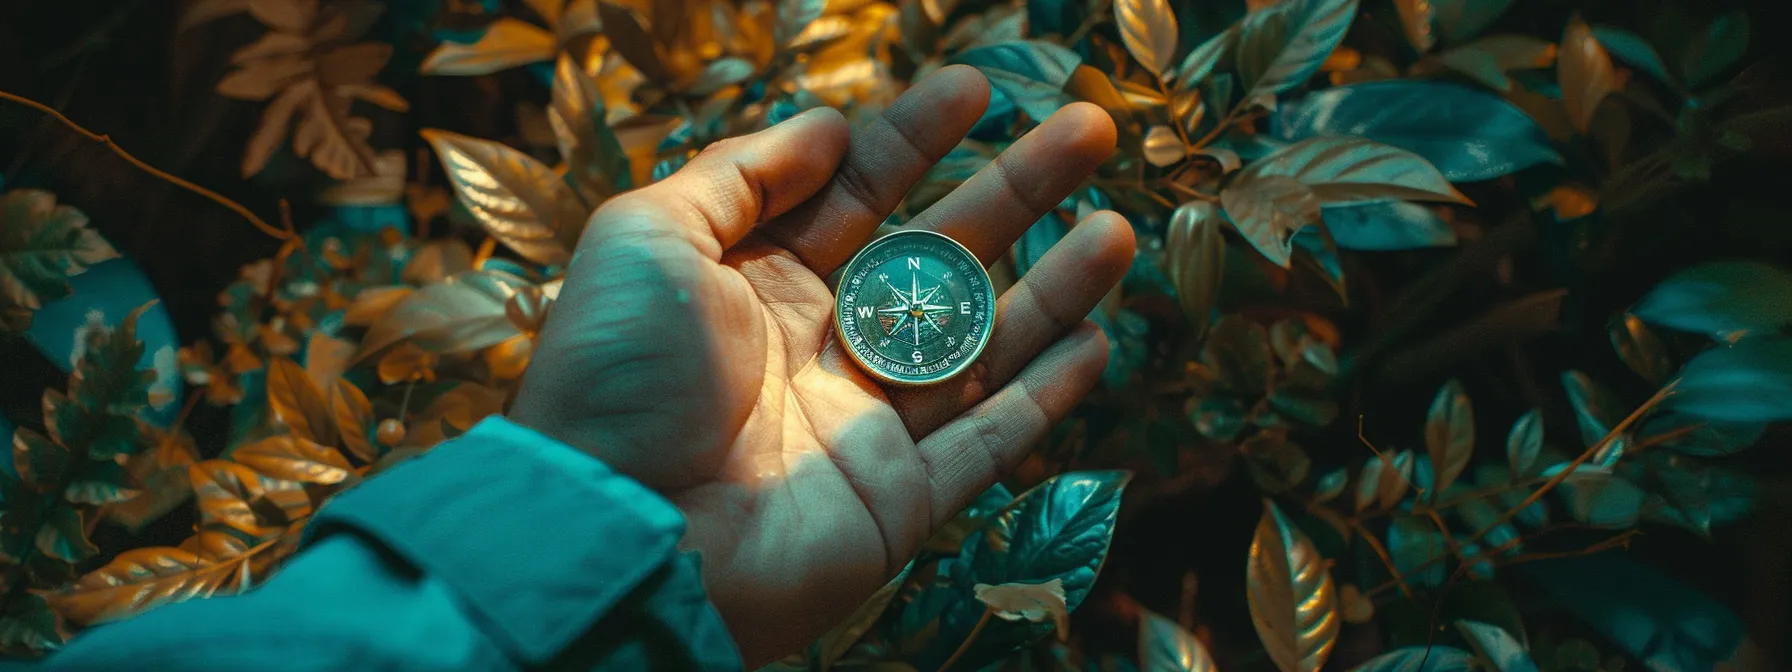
{"x": 1024, "y": 182}
{"x": 968, "y": 454}
{"x": 737, "y": 183}
{"x": 885, "y": 160}
{"x": 1048, "y": 301}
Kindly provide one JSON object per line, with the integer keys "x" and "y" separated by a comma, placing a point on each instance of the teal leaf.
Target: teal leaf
{"x": 1354, "y": 170}
{"x": 1480, "y": 514}
{"x": 1641, "y": 349}
{"x": 1743, "y": 383}
{"x": 1281, "y": 46}
{"x": 1331, "y": 485}
{"x": 1041, "y": 236}
{"x": 1682, "y": 487}
{"x": 1418, "y": 549}
{"x": 1384, "y": 480}
{"x": 1716, "y": 48}
{"x": 1469, "y": 134}
{"x": 1668, "y": 626}
{"x": 1692, "y": 435}
{"x": 1496, "y": 648}
{"x": 1201, "y": 61}
{"x": 1597, "y": 410}
{"x": 38, "y": 460}
{"x": 1058, "y": 530}
{"x": 1460, "y": 20}
{"x": 1419, "y": 659}
{"x": 1630, "y": 48}
{"x": 1600, "y": 498}
{"x": 1524, "y": 443}
{"x": 1449, "y": 435}
{"x": 63, "y": 536}
{"x": 1394, "y": 225}
{"x": 1035, "y": 60}
{"x": 1037, "y": 99}
{"x": 1721, "y": 299}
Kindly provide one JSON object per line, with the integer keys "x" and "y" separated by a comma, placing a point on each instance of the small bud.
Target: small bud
{"x": 391, "y": 432}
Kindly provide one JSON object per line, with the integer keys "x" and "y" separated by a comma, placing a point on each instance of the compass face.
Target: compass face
{"x": 914, "y": 307}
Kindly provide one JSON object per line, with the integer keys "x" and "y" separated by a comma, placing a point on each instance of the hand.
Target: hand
{"x": 692, "y": 349}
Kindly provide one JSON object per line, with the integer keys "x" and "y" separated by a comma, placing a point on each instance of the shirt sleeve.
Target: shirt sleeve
{"x": 499, "y": 550}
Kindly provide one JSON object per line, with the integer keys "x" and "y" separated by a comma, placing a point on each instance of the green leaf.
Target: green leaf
{"x": 64, "y": 537}
{"x": 1308, "y": 407}
{"x": 1148, "y": 29}
{"x": 1725, "y": 299}
{"x": 1449, "y": 435}
{"x": 1716, "y": 48}
{"x": 39, "y": 461}
{"x": 1058, "y": 530}
{"x": 1037, "y": 99}
{"x": 1394, "y": 225}
{"x": 1630, "y": 48}
{"x": 29, "y": 624}
{"x": 1495, "y": 647}
{"x": 1418, "y": 549}
{"x": 1584, "y": 71}
{"x": 1269, "y": 211}
{"x": 1460, "y": 20}
{"x": 1468, "y": 134}
{"x": 1238, "y": 353}
{"x": 1641, "y": 349}
{"x": 1165, "y": 647}
{"x": 1292, "y": 600}
{"x": 1281, "y": 46}
{"x": 1195, "y": 260}
{"x": 1674, "y": 478}
{"x": 1525, "y": 442}
{"x": 1202, "y": 60}
{"x": 99, "y": 483}
{"x": 1355, "y": 170}
{"x": 594, "y": 157}
{"x": 520, "y": 201}
{"x": 42, "y": 244}
{"x": 1419, "y": 659}
{"x": 1748, "y": 382}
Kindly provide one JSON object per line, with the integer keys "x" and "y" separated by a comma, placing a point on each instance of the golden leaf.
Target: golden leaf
{"x": 457, "y": 410}
{"x": 1033, "y": 603}
{"x": 1585, "y": 72}
{"x": 520, "y": 201}
{"x": 297, "y": 401}
{"x": 1284, "y": 44}
{"x": 508, "y": 359}
{"x": 1269, "y": 210}
{"x": 506, "y": 44}
{"x": 140, "y": 579}
{"x": 354, "y": 417}
{"x": 407, "y": 363}
{"x": 461, "y": 314}
{"x": 1415, "y": 19}
{"x": 42, "y": 244}
{"x": 233, "y": 495}
{"x": 326, "y": 357}
{"x": 1165, "y": 647}
{"x": 1292, "y": 601}
{"x": 630, "y": 38}
{"x": 436, "y": 261}
{"x": 215, "y": 545}
{"x": 1195, "y": 249}
{"x": 294, "y": 459}
{"x": 1148, "y": 28}
{"x": 1449, "y": 435}
{"x": 1163, "y": 147}
{"x": 594, "y": 157}
{"x": 372, "y": 304}
{"x": 1092, "y": 85}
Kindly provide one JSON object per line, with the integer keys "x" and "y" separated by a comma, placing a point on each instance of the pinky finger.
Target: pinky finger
{"x": 967, "y": 455}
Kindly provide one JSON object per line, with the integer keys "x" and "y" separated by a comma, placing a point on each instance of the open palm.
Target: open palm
{"x": 692, "y": 349}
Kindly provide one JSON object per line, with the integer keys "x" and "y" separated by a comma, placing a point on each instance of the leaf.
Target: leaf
{"x": 1716, "y": 48}
{"x": 294, "y": 459}
{"x": 297, "y": 402}
{"x": 1165, "y": 647}
{"x": 1034, "y": 603}
{"x": 1692, "y": 435}
{"x": 99, "y": 483}
{"x": 1281, "y": 46}
{"x": 1417, "y": 548}
{"x": 1436, "y": 658}
{"x": 1276, "y": 464}
{"x": 1394, "y": 225}
{"x": 1460, "y": 20}
{"x": 794, "y": 16}
{"x": 1724, "y": 299}
{"x": 29, "y": 624}
{"x": 1449, "y": 435}
{"x": 434, "y": 261}
{"x": 326, "y": 357}
{"x": 462, "y": 314}
{"x": 372, "y": 304}
{"x": 1748, "y": 382}
{"x": 630, "y": 39}
{"x": 519, "y": 201}
{"x": 63, "y": 535}
{"x": 1033, "y": 60}
{"x": 42, "y": 244}
{"x": 1641, "y": 349}
{"x": 1524, "y": 443}
{"x": 1596, "y": 409}
{"x": 160, "y": 475}
{"x": 1384, "y": 480}
{"x": 1238, "y": 353}
{"x": 838, "y": 641}
{"x": 594, "y": 157}
{"x": 1415, "y": 21}
{"x": 1163, "y": 146}
{"x": 1202, "y": 60}
{"x": 1600, "y": 499}
{"x": 1292, "y": 601}
{"x": 1630, "y": 48}
{"x": 1195, "y": 260}
{"x": 353, "y": 415}
{"x": 1354, "y": 170}
{"x": 230, "y": 494}
{"x": 1269, "y": 210}
{"x": 1148, "y": 29}
{"x": 144, "y": 578}
{"x": 506, "y": 44}
{"x": 1585, "y": 73}
{"x": 39, "y": 461}
{"x": 1058, "y": 530}
{"x": 1467, "y": 134}
{"x": 1331, "y": 485}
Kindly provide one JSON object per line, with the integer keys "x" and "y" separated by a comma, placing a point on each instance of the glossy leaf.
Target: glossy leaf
{"x": 63, "y": 535}
{"x": 1269, "y": 210}
{"x": 1195, "y": 260}
{"x": 38, "y": 460}
{"x": 1203, "y": 59}
{"x": 1355, "y": 170}
{"x": 1525, "y": 442}
{"x": 99, "y": 483}
{"x": 1034, "y": 60}
{"x": 1418, "y": 549}
{"x": 227, "y": 494}
{"x": 42, "y": 244}
{"x": 1599, "y": 498}
{"x": 1058, "y": 530}
{"x": 1584, "y": 70}
{"x": 1031, "y": 602}
{"x": 594, "y": 157}
{"x": 1163, "y": 146}
{"x": 630, "y": 38}
{"x": 1693, "y": 435}
{"x": 1281, "y": 46}
{"x": 1331, "y": 485}
{"x": 1596, "y": 408}
{"x": 354, "y": 419}
{"x": 1641, "y": 349}
{"x": 1716, "y": 48}
{"x": 1630, "y": 48}
{"x": 297, "y": 402}
{"x": 1165, "y": 647}
{"x": 30, "y": 624}
{"x": 519, "y": 200}
{"x": 1496, "y": 648}
{"x": 1419, "y": 659}
{"x": 1749, "y": 382}
{"x": 1449, "y": 435}
{"x": 506, "y": 44}
{"x": 141, "y": 579}
{"x": 1480, "y": 514}
{"x": 1724, "y": 299}
{"x": 1148, "y": 29}
{"x": 1292, "y": 600}
{"x": 1489, "y": 59}
{"x": 1384, "y": 480}
{"x": 1415, "y": 22}
{"x": 1394, "y": 225}
{"x": 294, "y": 459}
{"x": 463, "y": 314}
{"x": 1467, "y": 134}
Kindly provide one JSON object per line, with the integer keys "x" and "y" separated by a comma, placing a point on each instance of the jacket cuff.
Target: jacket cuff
{"x": 539, "y": 539}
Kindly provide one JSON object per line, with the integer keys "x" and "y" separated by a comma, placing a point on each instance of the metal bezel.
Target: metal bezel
{"x": 943, "y": 376}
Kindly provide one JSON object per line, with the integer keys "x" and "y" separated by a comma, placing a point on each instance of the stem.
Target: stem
{"x": 1621, "y": 539}
{"x": 1382, "y": 552}
{"x": 966, "y": 646}
{"x": 1089, "y": 23}
{"x": 152, "y": 170}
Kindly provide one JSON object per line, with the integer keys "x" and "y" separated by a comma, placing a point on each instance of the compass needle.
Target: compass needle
{"x": 948, "y": 291}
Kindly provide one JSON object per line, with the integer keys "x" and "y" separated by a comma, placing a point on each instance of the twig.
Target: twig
{"x": 966, "y": 646}
{"x": 106, "y": 140}
{"x": 1621, "y": 539}
{"x": 1382, "y": 552}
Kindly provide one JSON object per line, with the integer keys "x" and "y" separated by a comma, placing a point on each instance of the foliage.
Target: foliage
{"x": 1276, "y": 157}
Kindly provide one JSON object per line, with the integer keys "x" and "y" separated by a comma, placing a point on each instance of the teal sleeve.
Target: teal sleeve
{"x": 500, "y": 550}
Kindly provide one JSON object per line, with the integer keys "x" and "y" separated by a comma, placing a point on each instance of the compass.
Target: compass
{"x": 914, "y": 307}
